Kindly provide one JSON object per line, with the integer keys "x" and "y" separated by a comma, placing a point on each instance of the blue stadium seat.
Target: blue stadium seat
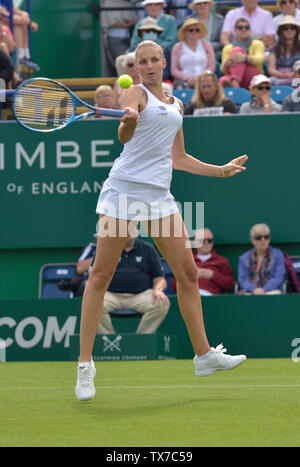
{"x": 185, "y": 95}
{"x": 125, "y": 313}
{"x": 168, "y": 276}
{"x": 50, "y": 290}
{"x": 50, "y": 275}
{"x": 278, "y": 93}
{"x": 238, "y": 95}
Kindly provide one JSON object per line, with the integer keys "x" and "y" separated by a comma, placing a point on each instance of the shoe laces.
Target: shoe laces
{"x": 85, "y": 376}
{"x": 218, "y": 350}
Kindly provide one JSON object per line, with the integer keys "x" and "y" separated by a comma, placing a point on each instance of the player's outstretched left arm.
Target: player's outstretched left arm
{"x": 187, "y": 163}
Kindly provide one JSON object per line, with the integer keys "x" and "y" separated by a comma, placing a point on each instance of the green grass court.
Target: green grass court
{"x": 151, "y": 404}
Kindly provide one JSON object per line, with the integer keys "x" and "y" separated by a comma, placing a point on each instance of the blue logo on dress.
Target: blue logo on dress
{"x": 162, "y": 111}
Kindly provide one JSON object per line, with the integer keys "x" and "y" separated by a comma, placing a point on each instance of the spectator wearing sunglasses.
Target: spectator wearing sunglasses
{"x": 285, "y": 53}
{"x": 261, "y": 102}
{"x": 261, "y": 22}
{"x": 291, "y": 103}
{"x": 243, "y": 58}
{"x": 261, "y": 269}
{"x": 214, "y": 23}
{"x": 214, "y": 271}
{"x": 287, "y": 7}
{"x": 192, "y": 55}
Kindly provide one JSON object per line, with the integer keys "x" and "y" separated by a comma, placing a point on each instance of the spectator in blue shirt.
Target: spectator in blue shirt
{"x": 138, "y": 284}
{"x": 261, "y": 269}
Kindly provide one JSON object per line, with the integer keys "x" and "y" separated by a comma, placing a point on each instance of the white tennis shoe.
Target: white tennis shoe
{"x": 85, "y": 389}
{"x": 216, "y": 360}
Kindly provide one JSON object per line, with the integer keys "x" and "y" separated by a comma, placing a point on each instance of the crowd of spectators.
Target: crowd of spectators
{"x": 235, "y": 46}
{"x": 139, "y": 282}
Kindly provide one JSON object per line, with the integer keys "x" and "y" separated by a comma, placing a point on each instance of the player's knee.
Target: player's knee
{"x": 99, "y": 278}
{"x": 188, "y": 276}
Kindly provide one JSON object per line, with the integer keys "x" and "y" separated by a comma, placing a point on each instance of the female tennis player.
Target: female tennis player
{"x": 151, "y": 131}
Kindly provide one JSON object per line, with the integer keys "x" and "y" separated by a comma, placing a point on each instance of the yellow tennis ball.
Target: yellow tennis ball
{"x": 125, "y": 81}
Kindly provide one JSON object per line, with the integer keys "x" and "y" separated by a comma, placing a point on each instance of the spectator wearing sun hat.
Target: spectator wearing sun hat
{"x": 150, "y": 30}
{"x": 291, "y": 103}
{"x": 154, "y": 9}
{"x": 192, "y": 55}
{"x": 287, "y": 7}
{"x": 261, "y": 102}
{"x": 285, "y": 52}
{"x": 213, "y": 21}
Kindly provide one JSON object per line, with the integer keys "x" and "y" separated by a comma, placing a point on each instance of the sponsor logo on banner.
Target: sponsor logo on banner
{"x": 112, "y": 344}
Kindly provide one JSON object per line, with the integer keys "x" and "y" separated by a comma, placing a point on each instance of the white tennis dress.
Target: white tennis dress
{"x": 138, "y": 186}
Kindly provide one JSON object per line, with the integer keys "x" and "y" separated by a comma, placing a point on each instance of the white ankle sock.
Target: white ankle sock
{"x": 203, "y": 356}
{"x": 91, "y": 363}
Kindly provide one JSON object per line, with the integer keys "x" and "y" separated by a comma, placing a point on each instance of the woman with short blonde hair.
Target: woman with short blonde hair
{"x": 261, "y": 269}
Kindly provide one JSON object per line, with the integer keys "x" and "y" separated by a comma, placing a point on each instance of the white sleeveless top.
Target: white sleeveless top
{"x": 147, "y": 158}
{"x": 193, "y": 63}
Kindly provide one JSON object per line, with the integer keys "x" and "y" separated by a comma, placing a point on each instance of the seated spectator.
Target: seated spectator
{"x": 150, "y": 30}
{"x": 7, "y": 42}
{"x": 214, "y": 271}
{"x": 6, "y": 69}
{"x": 291, "y": 103}
{"x": 261, "y": 102}
{"x": 285, "y": 53}
{"x": 154, "y": 9}
{"x": 287, "y": 7}
{"x": 21, "y": 21}
{"x": 105, "y": 98}
{"x": 83, "y": 264}
{"x": 243, "y": 58}
{"x": 7, "y": 45}
{"x": 261, "y": 269}
{"x": 260, "y": 20}
{"x": 125, "y": 64}
{"x": 209, "y": 98}
{"x": 213, "y": 21}
{"x": 138, "y": 284}
{"x": 192, "y": 55}
{"x": 181, "y": 14}
{"x": 116, "y": 28}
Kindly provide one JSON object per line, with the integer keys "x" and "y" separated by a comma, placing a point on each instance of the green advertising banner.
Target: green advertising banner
{"x": 257, "y": 326}
{"x": 50, "y": 183}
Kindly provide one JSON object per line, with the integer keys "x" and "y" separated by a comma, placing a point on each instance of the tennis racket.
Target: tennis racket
{"x": 45, "y": 105}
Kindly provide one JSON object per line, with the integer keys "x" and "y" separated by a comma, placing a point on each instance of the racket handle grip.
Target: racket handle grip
{"x": 111, "y": 112}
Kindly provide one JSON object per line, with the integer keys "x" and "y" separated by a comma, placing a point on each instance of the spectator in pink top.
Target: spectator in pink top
{"x": 261, "y": 22}
{"x": 192, "y": 55}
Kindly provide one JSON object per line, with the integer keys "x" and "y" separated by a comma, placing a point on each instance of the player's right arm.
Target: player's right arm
{"x": 133, "y": 101}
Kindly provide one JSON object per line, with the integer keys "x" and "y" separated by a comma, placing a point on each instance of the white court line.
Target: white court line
{"x": 236, "y": 386}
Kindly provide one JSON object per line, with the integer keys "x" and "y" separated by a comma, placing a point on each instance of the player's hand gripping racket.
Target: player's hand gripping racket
{"x": 45, "y": 105}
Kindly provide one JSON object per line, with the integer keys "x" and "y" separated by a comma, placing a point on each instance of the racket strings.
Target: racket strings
{"x": 43, "y": 107}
